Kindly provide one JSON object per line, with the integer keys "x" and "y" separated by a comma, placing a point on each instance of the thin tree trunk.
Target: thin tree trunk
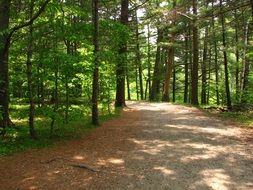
{"x": 229, "y": 105}
{"x": 29, "y": 75}
{"x": 55, "y": 97}
{"x": 209, "y": 75}
{"x": 195, "y": 49}
{"x": 136, "y": 80}
{"x": 204, "y": 63}
{"x": 186, "y": 71}
{"x": 251, "y": 2}
{"x": 149, "y": 62}
{"x": 67, "y": 99}
{"x": 237, "y": 80}
{"x": 138, "y": 56}
{"x": 215, "y": 60}
{"x": 128, "y": 84}
{"x": 246, "y": 66}
{"x": 174, "y": 85}
{"x": 120, "y": 70}
{"x": 95, "y": 84}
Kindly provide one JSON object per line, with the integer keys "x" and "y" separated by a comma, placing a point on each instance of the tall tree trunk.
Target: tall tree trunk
{"x": 67, "y": 99}
{"x": 149, "y": 63}
{"x": 195, "y": 49}
{"x": 251, "y": 2}
{"x": 168, "y": 75}
{"x": 229, "y": 105}
{"x": 138, "y": 56}
{"x": 55, "y": 97}
{"x": 120, "y": 70}
{"x": 4, "y": 53}
{"x": 128, "y": 84}
{"x": 29, "y": 75}
{"x": 170, "y": 61}
{"x": 204, "y": 64}
{"x": 174, "y": 85}
{"x": 186, "y": 70}
{"x": 237, "y": 80}
{"x": 95, "y": 84}
{"x": 215, "y": 58}
{"x": 136, "y": 80}
{"x": 155, "y": 79}
{"x": 246, "y": 66}
{"x": 209, "y": 74}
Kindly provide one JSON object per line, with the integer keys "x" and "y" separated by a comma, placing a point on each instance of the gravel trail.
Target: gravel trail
{"x": 151, "y": 146}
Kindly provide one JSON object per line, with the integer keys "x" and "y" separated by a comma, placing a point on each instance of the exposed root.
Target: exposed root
{"x": 71, "y": 163}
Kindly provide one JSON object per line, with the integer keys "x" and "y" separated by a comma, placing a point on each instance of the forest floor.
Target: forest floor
{"x": 151, "y": 146}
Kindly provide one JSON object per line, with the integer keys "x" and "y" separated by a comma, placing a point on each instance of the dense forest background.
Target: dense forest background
{"x": 65, "y": 60}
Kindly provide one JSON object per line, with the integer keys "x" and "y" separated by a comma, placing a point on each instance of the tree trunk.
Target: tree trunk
{"x": 174, "y": 85}
{"x": 138, "y": 56}
{"x": 120, "y": 70}
{"x": 186, "y": 70}
{"x": 95, "y": 84}
{"x": 149, "y": 62}
{"x": 237, "y": 80}
{"x": 67, "y": 99}
{"x": 204, "y": 64}
{"x": 246, "y": 67}
{"x": 4, "y": 53}
{"x": 215, "y": 59}
{"x": 155, "y": 79}
{"x": 128, "y": 84}
{"x": 29, "y": 75}
{"x": 168, "y": 75}
{"x": 55, "y": 97}
{"x": 229, "y": 105}
{"x": 195, "y": 49}
{"x": 251, "y": 2}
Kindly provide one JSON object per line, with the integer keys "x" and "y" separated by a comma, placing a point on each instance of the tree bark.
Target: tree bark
{"x": 204, "y": 64}
{"x": 229, "y": 105}
{"x": 121, "y": 70}
{"x": 29, "y": 75}
{"x": 186, "y": 70}
{"x": 246, "y": 66}
{"x": 215, "y": 59}
{"x": 4, "y": 53}
{"x": 168, "y": 75}
{"x": 95, "y": 84}
{"x": 195, "y": 49}
{"x": 138, "y": 56}
{"x": 155, "y": 79}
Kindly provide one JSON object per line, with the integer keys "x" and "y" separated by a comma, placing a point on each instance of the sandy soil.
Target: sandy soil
{"x": 152, "y": 146}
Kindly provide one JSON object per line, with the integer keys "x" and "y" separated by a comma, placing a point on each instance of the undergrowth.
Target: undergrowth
{"x": 18, "y": 139}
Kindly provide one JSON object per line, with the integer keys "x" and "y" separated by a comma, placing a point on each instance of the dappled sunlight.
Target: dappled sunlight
{"x": 116, "y": 161}
{"x": 107, "y": 162}
{"x": 53, "y": 172}
{"x": 28, "y": 179}
{"x": 33, "y": 188}
{"x": 216, "y": 179}
{"x": 164, "y": 170}
{"x": 152, "y": 146}
{"x": 78, "y": 157}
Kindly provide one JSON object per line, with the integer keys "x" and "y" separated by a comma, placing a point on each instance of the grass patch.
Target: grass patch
{"x": 18, "y": 138}
{"x": 240, "y": 118}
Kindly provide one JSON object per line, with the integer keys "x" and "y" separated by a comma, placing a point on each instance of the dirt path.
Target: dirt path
{"x": 152, "y": 146}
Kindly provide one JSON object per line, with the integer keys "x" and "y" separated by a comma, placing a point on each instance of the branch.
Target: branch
{"x": 28, "y": 23}
{"x": 138, "y": 6}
